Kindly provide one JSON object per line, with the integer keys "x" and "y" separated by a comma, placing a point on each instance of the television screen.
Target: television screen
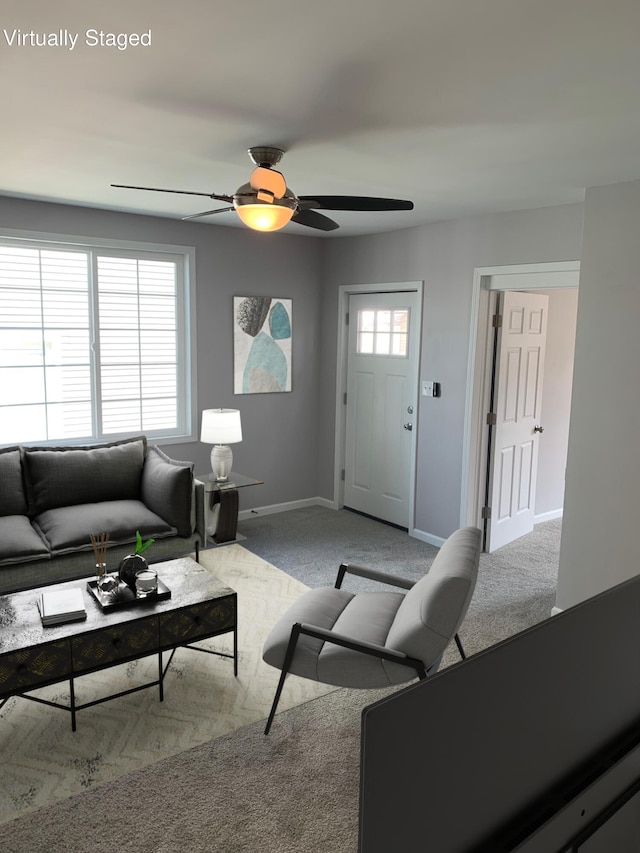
{"x": 520, "y": 747}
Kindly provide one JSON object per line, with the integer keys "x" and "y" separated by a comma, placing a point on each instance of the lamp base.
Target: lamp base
{"x": 221, "y": 461}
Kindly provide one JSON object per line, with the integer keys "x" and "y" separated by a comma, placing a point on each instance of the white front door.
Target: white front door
{"x": 516, "y": 434}
{"x": 381, "y": 404}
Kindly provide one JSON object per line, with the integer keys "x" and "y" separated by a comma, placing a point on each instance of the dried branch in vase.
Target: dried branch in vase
{"x": 100, "y": 544}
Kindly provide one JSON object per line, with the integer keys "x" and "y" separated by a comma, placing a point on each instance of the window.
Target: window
{"x": 93, "y": 342}
{"x": 383, "y": 332}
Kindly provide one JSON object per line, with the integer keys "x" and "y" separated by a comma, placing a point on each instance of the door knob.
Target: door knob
{"x": 538, "y": 429}
{"x": 408, "y": 427}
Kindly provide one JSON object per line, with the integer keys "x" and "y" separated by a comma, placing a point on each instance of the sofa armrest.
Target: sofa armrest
{"x": 167, "y": 489}
{"x": 198, "y": 510}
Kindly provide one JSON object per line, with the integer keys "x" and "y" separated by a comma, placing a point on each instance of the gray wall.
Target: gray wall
{"x": 444, "y": 256}
{"x": 280, "y": 431}
{"x": 289, "y": 438}
{"x": 599, "y": 533}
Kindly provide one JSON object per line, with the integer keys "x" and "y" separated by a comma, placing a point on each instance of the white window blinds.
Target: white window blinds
{"x": 92, "y": 344}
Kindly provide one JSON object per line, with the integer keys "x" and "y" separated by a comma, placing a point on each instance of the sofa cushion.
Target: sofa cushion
{"x": 13, "y": 500}
{"x": 167, "y": 488}
{"x": 19, "y": 542}
{"x": 69, "y": 528}
{"x": 67, "y": 476}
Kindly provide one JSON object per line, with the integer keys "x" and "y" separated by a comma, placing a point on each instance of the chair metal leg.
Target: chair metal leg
{"x": 293, "y": 639}
{"x": 276, "y": 699}
{"x": 340, "y": 577}
{"x": 460, "y": 649}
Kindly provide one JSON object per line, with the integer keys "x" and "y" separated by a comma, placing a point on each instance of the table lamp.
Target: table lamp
{"x": 221, "y": 427}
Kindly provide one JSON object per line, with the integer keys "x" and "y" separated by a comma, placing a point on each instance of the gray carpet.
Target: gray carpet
{"x": 310, "y": 544}
{"x": 516, "y": 584}
{"x": 296, "y": 790}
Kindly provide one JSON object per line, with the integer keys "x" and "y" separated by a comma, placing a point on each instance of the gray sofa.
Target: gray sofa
{"x": 53, "y": 498}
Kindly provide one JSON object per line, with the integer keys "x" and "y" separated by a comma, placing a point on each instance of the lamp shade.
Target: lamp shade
{"x": 221, "y": 426}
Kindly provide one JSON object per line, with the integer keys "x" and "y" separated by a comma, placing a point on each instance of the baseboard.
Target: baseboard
{"x": 270, "y": 509}
{"x": 547, "y": 516}
{"x": 427, "y": 537}
{"x": 439, "y": 542}
{"x": 556, "y": 610}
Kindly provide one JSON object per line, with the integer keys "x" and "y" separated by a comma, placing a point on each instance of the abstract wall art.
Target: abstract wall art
{"x": 261, "y": 344}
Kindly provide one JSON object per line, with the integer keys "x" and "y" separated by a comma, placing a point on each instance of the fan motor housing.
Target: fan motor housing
{"x": 265, "y": 155}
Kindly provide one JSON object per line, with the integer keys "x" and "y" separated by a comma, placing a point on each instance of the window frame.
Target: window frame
{"x": 186, "y": 344}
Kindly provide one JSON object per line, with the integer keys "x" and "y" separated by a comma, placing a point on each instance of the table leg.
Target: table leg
{"x": 72, "y": 700}
{"x": 227, "y": 525}
{"x": 235, "y": 648}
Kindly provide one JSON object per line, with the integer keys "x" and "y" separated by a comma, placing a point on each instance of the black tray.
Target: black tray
{"x": 161, "y": 593}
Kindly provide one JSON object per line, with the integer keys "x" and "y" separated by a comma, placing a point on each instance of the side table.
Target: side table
{"x": 222, "y": 503}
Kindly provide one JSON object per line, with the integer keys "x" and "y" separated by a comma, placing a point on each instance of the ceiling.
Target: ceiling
{"x": 463, "y": 106}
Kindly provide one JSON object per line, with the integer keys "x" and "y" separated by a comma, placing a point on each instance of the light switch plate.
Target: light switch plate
{"x": 427, "y": 388}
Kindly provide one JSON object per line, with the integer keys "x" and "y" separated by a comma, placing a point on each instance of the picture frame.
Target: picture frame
{"x": 262, "y": 344}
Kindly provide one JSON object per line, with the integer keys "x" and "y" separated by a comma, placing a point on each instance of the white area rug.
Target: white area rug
{"x": 44, "y": 761}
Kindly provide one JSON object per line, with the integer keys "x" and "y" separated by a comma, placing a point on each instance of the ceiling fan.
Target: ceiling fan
{"x": 265, "y": 203}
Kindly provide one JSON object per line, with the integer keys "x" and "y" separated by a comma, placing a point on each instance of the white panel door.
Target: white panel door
{"x": 381, "y": 404}
{"x": 517, "y": 402}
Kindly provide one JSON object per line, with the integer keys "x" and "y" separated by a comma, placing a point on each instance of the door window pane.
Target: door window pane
{"x": 383, "y": 332}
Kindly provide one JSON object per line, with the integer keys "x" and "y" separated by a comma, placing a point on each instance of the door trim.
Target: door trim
{"x": 344, "y": 292}
{"x": 487, "y": 281}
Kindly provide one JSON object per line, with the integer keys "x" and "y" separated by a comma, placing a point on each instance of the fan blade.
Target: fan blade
{"x": 207, "y": 213}
{"x": 227, "y": 198}
{"x": 353, "y": 202}
{"x": 314, "y": 220}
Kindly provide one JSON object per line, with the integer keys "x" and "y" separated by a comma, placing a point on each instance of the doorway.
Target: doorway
{"x": 376, "y": 412}
{"x": 559, "y": 281}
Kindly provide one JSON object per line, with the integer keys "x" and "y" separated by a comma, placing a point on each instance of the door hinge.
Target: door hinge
{"x": 497, "y": 321}
{"x": 492, "y": 419}
{"x": 344, "y": 398}
{"x": 346, "y": 319}
{"x": 342, "y": 474}
{"x": 486, "y": 512}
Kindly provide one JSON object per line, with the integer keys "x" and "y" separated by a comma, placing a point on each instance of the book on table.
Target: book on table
{"x": 61, "y": 605}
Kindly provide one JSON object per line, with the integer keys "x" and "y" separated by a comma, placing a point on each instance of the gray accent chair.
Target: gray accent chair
{"x": 377, "y": 639}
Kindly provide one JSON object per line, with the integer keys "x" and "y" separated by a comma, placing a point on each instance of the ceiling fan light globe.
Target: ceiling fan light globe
{"x": 268, "y": 181}
{"x": 264, "y": 216}
{"x": 265, "y": 195}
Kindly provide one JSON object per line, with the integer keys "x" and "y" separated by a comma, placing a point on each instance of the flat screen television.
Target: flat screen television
{"x": 531, "y": 746}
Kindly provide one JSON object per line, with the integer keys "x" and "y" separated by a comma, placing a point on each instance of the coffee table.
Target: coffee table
{"x": 33, "y": 656}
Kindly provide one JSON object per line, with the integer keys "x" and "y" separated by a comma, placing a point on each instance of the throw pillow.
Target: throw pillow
{"x": 66, "y": 476}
